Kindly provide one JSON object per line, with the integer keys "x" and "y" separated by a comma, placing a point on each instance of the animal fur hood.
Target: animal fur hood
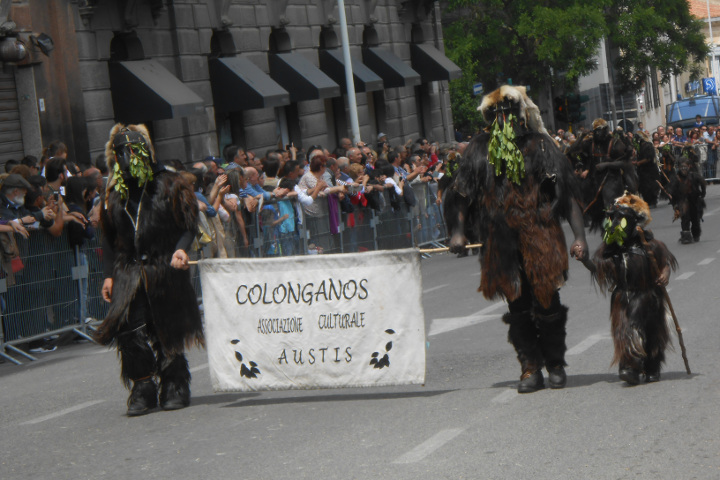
{"x": 529, "y": 112}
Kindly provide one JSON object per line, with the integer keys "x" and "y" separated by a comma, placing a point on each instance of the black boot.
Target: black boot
{"x": 523, "y": 336}
{"x": 175, "y": 384}
{"x": 143, "y": 398}
{"x": 630, "y": 375}
{"x": 531, "y": 381}
{"x": 686, "y": 237}
{"x": 557, "y": 378}
{"x": 551, "y": 325}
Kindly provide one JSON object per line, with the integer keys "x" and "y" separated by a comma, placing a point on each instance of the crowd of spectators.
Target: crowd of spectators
{"x": 251, "y": 204}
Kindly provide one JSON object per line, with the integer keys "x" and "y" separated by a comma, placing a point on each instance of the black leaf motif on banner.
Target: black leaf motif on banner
{"x": 380, "y": 362}
{"x": 251, "y": 372}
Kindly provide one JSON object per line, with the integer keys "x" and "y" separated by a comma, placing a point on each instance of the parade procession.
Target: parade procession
{"x": 359, "y": 239}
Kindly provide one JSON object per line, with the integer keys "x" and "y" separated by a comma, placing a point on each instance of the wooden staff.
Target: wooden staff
{"x": 445, "y": 249}
{"x": 422, "y": 250}
{"x": 602, "y": 184}
{"x": 663, "y": 189}
{"x": 656, "y": 271}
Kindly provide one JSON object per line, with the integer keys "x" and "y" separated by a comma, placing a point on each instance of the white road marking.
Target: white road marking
{"x": 685, "y": 276}
{"x": 62, "y": 412}
{"x": 436, "y": 287}
{"x": 706, "y": 261}
{"x": 198, "y": 368}
{"x": 712, "y": 212}
{"x": 587, "y": 343}
{"x": 442, "y": 325}
{"x": 505, "y": 396}
{"x": 429, "y": 446}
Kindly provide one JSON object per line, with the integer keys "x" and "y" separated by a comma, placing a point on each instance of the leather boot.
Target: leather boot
{"x": 557, "y": 377}
{"x": 175, "y": 384}
{"x": 143, "y": 398}
{"x": 531, "y": 381}
{"x": 630, "y": 375}
{"x": 686, "y": 237}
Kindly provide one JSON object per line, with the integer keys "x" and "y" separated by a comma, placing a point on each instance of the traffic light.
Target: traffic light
{"x": 575, "y": 108}
{"x": 560, "y": 110}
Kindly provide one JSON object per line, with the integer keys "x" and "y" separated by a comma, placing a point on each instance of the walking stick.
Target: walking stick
{"x": 656, "y": 271}
{"x": 422, "y": 250}
{"x": 663, "y": 189}
{"x": 602, "y": 184}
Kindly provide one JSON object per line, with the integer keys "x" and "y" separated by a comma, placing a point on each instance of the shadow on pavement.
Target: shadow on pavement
{"x": 243, "y": 402}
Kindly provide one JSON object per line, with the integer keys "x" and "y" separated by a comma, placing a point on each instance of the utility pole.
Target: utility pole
{"x": 349, "y": 82}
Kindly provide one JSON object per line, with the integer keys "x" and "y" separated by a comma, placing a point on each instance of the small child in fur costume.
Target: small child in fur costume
{"x": 623, "y": 264}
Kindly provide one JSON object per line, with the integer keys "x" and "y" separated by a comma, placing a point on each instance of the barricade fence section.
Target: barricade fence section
{"x": 58, "y": 288}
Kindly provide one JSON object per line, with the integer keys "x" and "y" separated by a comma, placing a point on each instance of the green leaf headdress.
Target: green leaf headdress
{"x": 133, "y": 143}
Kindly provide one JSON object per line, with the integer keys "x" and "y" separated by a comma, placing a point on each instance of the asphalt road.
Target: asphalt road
{"x": 63, "y": 416}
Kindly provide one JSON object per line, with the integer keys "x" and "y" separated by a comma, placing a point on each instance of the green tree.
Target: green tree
{"x": 531, "y": 41}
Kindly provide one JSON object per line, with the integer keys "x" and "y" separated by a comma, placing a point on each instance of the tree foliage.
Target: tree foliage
{"x": 532, "y": 41}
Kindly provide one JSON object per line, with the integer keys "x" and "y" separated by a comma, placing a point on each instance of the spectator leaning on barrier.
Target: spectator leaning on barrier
{"x": 12, "y": 208}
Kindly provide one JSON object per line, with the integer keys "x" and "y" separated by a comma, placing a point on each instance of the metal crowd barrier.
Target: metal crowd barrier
{"x": 58, "y": 289}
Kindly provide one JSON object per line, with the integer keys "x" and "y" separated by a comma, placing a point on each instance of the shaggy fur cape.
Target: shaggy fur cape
{"x": 637, "y": 305}
{"x": 519, "y": 224}
{"x": 168, "y": 210}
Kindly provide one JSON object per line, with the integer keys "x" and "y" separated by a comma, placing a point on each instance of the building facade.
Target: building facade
{"x": 204, "y": 74}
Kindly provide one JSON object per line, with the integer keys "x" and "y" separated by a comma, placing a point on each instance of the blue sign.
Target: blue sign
{"x": 709, "y": 86}
{"x": 477, "y": 89}
{"x": 692, "y": 86}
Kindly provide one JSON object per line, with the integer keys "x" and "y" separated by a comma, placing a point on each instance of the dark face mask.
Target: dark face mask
{"x": 122, "y": 146}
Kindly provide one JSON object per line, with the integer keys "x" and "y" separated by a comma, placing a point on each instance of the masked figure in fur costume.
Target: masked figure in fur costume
{"x": 647, "y": 170}
{"x": 687, "y": 189}
{"x": 622, "y": 265}
{"x": 149, "y": 220}
{"x": 516, "y": 186}
{"x": 607, "y": 160}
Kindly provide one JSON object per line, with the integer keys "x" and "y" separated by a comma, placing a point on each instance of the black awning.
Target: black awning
{"x": 432, "y": 64}
{"x": 391, "y": 68}
{"x": 332, "y": 62}
{"x": 238, "y": 84}
{"x": 144, "y": 90}
{"x": 301, "y": 78}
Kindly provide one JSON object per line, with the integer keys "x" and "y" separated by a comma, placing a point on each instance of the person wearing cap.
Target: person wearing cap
{"x": 381, "y": 139}
{"x": 12, "y": 205}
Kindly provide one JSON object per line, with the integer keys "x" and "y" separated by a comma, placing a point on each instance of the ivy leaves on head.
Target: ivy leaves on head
{"x": 139, "y": 168}
{"x": 503, "y": 151}
{"x": 617, "y": 234}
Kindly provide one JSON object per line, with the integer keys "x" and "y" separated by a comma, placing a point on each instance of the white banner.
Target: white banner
{"x": 319, "y": 321}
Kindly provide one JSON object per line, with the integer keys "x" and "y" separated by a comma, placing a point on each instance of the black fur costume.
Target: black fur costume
{"x": 688, "y": 189}
{"x": 154, "y": 311}
{"x": 647, "y": 170}
{"x": 638, "y": 308}
{"x": 607, "y": 161}
{"x": 524, "y": 255}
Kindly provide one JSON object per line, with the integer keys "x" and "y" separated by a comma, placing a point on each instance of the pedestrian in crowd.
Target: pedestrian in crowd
{"x": 149, "y": 222}
{"x": 709, "y": 136}
{"x": 623, "y": 265}
{"x": 79, "y": 193}
{"x": 523, "y": 257}
{"x": 698, "y": 121}
{"x": 234, "y": 157}
{"x": 316, "y": 214}
{"x": 237, "y": 209}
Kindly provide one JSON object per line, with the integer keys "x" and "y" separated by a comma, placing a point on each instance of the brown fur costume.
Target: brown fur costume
{"x": 524, "y": 255}
{"x": 637, "y": 304}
